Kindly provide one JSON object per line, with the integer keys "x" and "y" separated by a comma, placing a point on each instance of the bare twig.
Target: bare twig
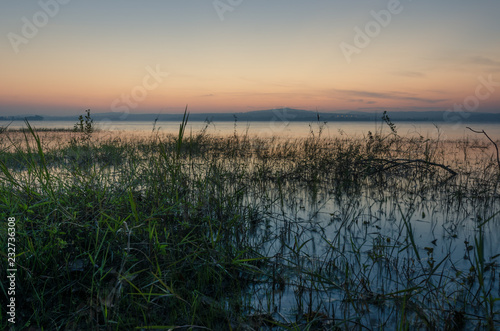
{"x": 404, "y": 162}
{"x": 494, "y": 143}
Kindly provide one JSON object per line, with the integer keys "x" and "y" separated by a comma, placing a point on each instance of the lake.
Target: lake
{"x": 290, "y": 129}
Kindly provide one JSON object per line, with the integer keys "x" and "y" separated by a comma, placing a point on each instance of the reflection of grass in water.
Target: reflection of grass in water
{"x": 234, "y": 231}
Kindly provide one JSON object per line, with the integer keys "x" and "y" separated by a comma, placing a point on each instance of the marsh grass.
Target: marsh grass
{"x": 196, "y": 231}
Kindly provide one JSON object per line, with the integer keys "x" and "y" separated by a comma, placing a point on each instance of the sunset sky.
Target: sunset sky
{"x": 64, "y": 56}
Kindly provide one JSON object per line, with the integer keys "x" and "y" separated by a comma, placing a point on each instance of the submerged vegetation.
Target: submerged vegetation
{"x": 237, "y": 232}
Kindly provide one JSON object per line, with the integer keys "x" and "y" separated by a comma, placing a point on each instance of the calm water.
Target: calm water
{"x": 290, "y": 129}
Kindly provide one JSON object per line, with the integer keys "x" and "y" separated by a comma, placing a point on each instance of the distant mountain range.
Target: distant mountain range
{"x": 21, "y": 118}
{"x": 283, "y": 115}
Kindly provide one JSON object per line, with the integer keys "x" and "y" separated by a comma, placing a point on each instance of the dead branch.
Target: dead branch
{"x": 404, "y": 162}
{"x": 494, "y": 143}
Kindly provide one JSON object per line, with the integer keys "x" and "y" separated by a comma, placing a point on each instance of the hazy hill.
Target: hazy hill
{"x": 22, "y": 118}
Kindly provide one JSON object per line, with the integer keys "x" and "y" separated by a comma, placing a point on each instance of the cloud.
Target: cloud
{"x": 401, "y": 109}
{"x": 283, "y": 95}
{"x": 485, "y": 61}
{"x": 393, "y": 95}
{"x": 208, "y": 95}
{"x": 437, "y": 91}
{"x": 414, "y": 74}
{"x": 369, "y": 102}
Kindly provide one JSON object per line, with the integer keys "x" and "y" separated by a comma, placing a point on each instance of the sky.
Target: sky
{"x": 60, "y": 57}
